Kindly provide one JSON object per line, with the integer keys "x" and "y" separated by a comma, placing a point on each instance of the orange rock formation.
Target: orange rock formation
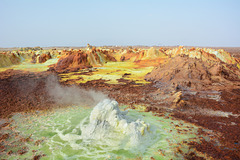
{"x": 74, "y": 60}
{"x": 41, "y": 58}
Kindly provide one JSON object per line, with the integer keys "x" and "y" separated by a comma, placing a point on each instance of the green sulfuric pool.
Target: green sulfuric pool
{"x": 57, "y": 134}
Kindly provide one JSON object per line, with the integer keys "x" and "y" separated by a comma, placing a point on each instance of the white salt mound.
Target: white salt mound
{"x": 107, "y": 122}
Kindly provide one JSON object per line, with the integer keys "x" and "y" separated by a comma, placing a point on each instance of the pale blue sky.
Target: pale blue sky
{"x": 119, "y": 22}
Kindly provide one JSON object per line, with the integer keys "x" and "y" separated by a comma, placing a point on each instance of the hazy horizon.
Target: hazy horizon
{"x": 120, "y": 46}
{"x": 123, "y": 23}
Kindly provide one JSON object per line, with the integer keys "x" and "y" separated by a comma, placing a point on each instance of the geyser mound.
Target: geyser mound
{"x": 110, "y": 129}
{"x": 108, "y": 123}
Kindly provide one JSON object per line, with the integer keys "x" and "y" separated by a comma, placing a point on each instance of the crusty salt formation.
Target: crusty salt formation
{"x": 109, "y": 129}
{"x": 108, "y": 123}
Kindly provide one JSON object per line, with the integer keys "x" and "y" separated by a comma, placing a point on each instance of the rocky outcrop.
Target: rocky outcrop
{"x": 74, "y": 60}
{"x": 204, "y": 54}
{"x": 187, "y": 72}
{"x": 8, "y": 59}
{"x": 71, "y": 61}
{"x": 136, "y": 55}
{"x": 41, "y": 58}
{"x": 151, "y": 54}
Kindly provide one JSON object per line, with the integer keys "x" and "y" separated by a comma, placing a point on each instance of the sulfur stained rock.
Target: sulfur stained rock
{"x": 72, "y": 61}
{"x": 204, "y": 54}
{"x": 8, "y": 59}
{"x": 44, "y": 57}
{"x": 41, "y": 58}
{"x": 75, "y": 60}
{"x": 137, "y": 55}
{"x": 177, "y": 97}
{"x": 109, "y": 56}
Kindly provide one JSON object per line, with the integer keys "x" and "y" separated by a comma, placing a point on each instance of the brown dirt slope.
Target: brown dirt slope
{"x": 23, "y": 91}
{"x": 194, "y": 73}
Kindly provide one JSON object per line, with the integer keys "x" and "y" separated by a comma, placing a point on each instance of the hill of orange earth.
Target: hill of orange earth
{"x": 154, "y": 56}
{"x": 75, "y": 60}
{"x": 185, "y": 71}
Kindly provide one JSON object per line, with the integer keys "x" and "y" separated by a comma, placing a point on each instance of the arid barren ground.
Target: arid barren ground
{"x": 199, "y": 86}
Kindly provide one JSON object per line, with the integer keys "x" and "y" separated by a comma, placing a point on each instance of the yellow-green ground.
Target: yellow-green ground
{"x": 28, "y": 66}
{"x": 111, "y": 72}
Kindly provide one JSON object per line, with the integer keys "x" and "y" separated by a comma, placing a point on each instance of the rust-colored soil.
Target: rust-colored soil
{"x": 195, "y": 73}
{"x": 23, "y": 91}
